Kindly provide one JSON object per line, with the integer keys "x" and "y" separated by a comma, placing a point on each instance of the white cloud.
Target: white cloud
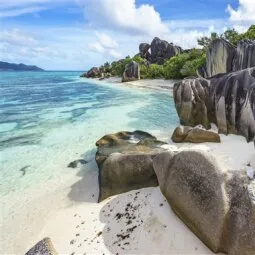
{"x": 245, "y": 12}
{"x": 17, "y": 37}
{"x": 114, "y": 54}
{"x": 18, "y": 12}
{"x": 13, "y": 8}
{"x": 96, "y": 47}
{"x": 125, "y": 16}
{"x": 106, "y": 41}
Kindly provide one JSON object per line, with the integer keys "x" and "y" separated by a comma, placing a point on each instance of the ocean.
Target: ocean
{"x": 48, "y": 119}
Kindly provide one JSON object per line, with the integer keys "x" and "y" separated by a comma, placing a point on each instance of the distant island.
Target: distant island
{"x": 5, "y": 66}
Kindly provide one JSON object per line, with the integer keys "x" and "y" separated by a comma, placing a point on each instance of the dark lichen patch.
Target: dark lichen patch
{"x": 72, "y": 242}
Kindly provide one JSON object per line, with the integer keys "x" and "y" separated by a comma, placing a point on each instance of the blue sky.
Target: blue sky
{"x": 78, "y": 34}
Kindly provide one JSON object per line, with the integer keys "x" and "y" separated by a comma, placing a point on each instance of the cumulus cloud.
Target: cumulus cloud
{"x": 105, "y": 45}
{"x": 106, "y": 41}
{"x": 244, "y": 13}
{"x": 124, "y": 15}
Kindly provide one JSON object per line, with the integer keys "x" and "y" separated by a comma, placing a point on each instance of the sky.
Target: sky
{"x": 79, "y": 34}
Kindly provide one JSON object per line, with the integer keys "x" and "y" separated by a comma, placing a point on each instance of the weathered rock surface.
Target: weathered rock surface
{"x": 214, "y": 204}
{"x": 94, "y": 72}
{"x": 245, "y": 55}
{"x": 228, "y": 100}
{"x": 161, "y": 50}
{"x": 144, "y": 50}
{"x": 191, "y": 96}
{"x": 124, "y": 160}
{"x": 188, "y": 134}
{"x": 132, "y": 72}
{"x": 223, "y": 57}
{"x": 219, "y": 58}
{"x": 44, "y": 247}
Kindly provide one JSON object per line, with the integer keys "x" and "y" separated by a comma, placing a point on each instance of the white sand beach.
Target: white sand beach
{"x": 69, "y": 214}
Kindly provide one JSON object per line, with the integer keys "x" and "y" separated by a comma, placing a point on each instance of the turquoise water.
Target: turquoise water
{"x": 50, "y": 118}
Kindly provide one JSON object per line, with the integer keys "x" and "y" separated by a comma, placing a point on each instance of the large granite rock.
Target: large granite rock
{"x": 186, "y": 134}
{"x": 124, "y": 160}
{"x": 44, "y": 247}
{"x": 94, "y": 72}
{"x": 226, "y": 100}
{"x": 144, "y": 50}
{"x": 219, "y": 57}
{"x": 191, "y": 96}
{"x": 212, "y": 202}
{"x": 161, "y": 50}
{"x": 132, "y": 72}
{"x": 245, "y": 55}
{"x": 223, "y": 57}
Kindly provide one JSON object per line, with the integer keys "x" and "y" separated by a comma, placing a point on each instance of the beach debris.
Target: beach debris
{"x": 23, "y": 169}
{"x": 75, "y": 163}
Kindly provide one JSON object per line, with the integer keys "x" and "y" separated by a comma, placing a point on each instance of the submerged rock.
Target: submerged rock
{"x": 44, "y": 247}
{"x": 212, "y": 202}
{"x": 132, "y": 72}
{"x": 124, "y": 160}
{"x": 194, "y": 135}
{"x": 228, "y": 100}
{"x": 75, "y": 163}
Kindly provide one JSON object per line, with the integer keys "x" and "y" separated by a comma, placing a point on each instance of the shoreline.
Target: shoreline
{"x": 76, "y": 194}
{"x": 161, "y": 85}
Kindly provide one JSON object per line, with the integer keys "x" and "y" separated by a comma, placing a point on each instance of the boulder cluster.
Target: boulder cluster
{"x": 158, "y": 51}
{"x": 223, "y": 57}
{"x": 228, "y": 97}
{"x": 212, "y": 201}
{"x": 124, "y": 161}
{"x": 155, "y": 53}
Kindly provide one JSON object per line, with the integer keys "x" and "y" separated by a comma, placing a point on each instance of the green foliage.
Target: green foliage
{"x": 118, "y": 67}
{"x": 205, "y": 41}
{"x": 151, "y": 72}
{"x": 191, "y": 66}
{"x": 232, "y": 36}
{"x": 185, "y": 64}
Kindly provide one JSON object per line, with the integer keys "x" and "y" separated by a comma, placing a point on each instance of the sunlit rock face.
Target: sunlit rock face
{"x": 219, "y": 57}
{"x": 228, "y": 100}
{"x": 245, "y": 55}
{"x": 223, "y": 57}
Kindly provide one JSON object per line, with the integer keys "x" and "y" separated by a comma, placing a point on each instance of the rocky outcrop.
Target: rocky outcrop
{"x": 132, "y": 72}
{"x": 144, "y": 50}
{"x": 44, "y": 247}
{"x": 245, "y": 55}
{"x": 94, "y": 72}
{"x": 228, "y": 100}
{"x": 124, "y": 160}
{"x": 223, "y": 57}
{"x": 161, "y": 50}
{"x": 186, "y": 134}
{"x": 219, "y": 58}
{"x": 191, "y": 97}
{"x": 213, "y": 203}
